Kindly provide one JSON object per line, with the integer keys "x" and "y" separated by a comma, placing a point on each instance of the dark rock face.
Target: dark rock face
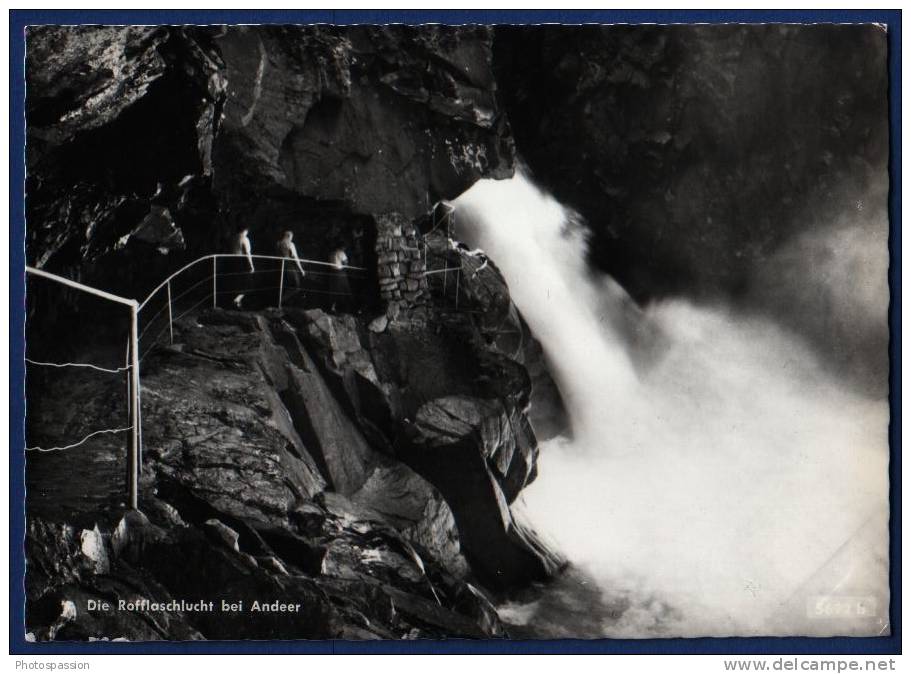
{"x": 455, "y": 413}
{"x": 223, "y": 433}
{"x": 62, "y": 579}
{"x": 299, "y": 456}
{"x": 443, "y": 445}
{"x": 695, "y": 151}
{"x": 318, "y": 129}
{"x": 116, "y": 120}
{"x": 484, "y": 293}
{"x": 380, "y": 118}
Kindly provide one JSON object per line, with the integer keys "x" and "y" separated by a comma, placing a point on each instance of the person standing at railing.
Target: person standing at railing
{"x": 476, "y": 253}
{"x": 339, "y": 286}
{"x": 286, "y": 249}
{"x": 240, "y": 245}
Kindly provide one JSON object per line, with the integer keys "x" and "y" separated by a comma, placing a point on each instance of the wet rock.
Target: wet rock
{"x": 336, "y": 443}
{"x": 94, "y": 548}
{"x": 502, "y": 330}
{"x": 471, "y": 601}
{"x": 493, "y": 447}
{"x": 134, "y": 532}
{"x": 378, "y": 324}
{"x": 393, "y": 528}
{"x": 417, "y": 510}
{"x": 257, "y": 456}
{"x": 218, "y": 426}
{"x": 347, "y": 366}
{"x": 81, "y": 77}
{"x": 62, "y": 583}
{"x": 158, "y": 229}
{"x": 273, "y": 564}
{"x": 443, "y": 446}
{"x": 67, "y": 615}
{"x": 223, "y": 533}
{"x": 366, "y": 549}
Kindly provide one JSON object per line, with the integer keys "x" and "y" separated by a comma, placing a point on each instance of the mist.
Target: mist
{"x": 721, "y": 478}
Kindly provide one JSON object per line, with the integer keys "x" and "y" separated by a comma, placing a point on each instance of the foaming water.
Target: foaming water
{"x": 719, "y": 480}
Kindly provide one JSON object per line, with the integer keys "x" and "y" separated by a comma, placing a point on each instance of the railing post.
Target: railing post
{"x": 134, "y": 452}
{"x": 214, "y": 282}
{"x": 281, "y": 284}
{"x": 170, "y": 314}
{"x": 129, "y": 374}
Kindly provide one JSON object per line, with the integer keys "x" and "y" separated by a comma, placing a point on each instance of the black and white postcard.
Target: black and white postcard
{"x": 456, "y": 331}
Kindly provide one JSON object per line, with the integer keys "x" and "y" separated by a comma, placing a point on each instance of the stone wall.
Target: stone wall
{"x": 400, "y": 267}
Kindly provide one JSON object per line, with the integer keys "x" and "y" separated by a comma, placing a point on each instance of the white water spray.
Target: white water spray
{"x": 721, "y": 483}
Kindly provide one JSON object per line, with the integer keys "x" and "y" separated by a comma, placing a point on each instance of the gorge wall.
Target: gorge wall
{"x": 362, "y": 463}
{"x": 153, "y": 144}
{"x": 693, "y": 152}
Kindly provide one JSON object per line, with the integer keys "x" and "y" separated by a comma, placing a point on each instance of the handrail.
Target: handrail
{"x": 238, "y": 255}
{"x": 81, "y": 286}
{"x": 167, "y": 280}
{"x": 321, "y": 263}
{"x": 134, "y": 451}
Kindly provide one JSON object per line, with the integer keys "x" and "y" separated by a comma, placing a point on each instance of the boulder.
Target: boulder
{"x": 134, "y": 532}
{"x": 223, "y": 533}
{"x": 94, "y": 548}
{"x": 417, "y": 510}
{"x": 335, "y": 441}
{"x": 216, "y": 423}
{"x": 452, "y": 442}
{"x": 479, "y": 452}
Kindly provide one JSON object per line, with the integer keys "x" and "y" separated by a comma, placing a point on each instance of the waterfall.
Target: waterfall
{"x": 719, "y": 479}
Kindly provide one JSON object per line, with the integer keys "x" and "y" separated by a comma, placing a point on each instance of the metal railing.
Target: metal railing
{"x": 186, "y": 290}
{"x": 134, "y": 450}
{"x": 204, "y": 280}
{"x": 443, "y": 285}
{"x": 438, "y": 277}
{"x": 209, "y": 285}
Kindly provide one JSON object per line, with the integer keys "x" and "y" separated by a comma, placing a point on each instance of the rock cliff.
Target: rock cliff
{"x": 361, "y": 464}
{"x": 316, "y": 128}
{"x": 695, "y": 152}
{"x": 299, "y": 456}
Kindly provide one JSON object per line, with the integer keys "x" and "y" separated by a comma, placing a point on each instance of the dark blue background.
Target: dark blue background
{"x": 20, "y": 19}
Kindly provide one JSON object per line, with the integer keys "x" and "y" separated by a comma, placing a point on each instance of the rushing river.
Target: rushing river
{"x": 720, "y": 479}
